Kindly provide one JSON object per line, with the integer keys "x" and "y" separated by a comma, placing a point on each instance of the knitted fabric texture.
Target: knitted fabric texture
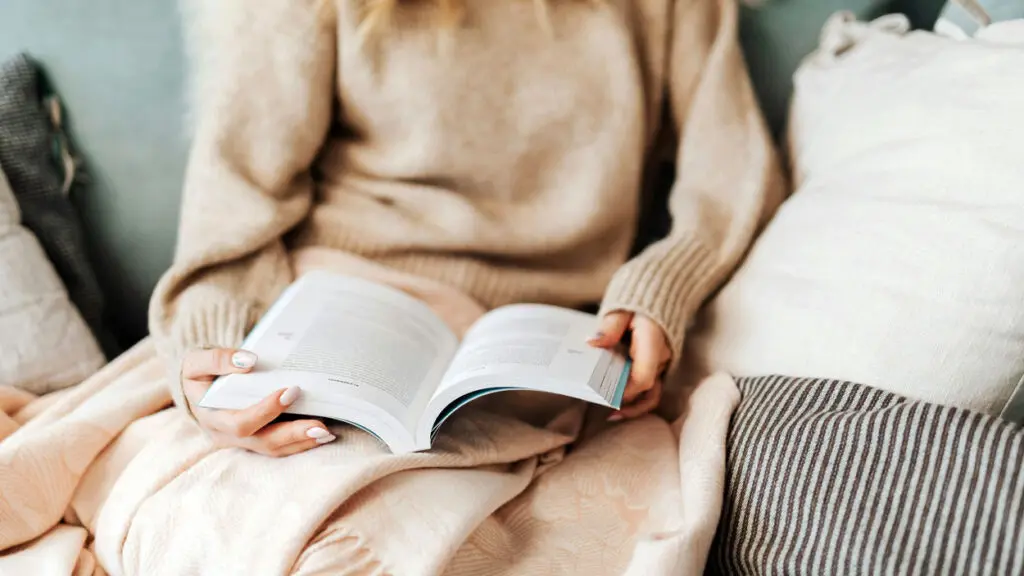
{"x": 36, "y": 166}
{"x": 509, "y": 164}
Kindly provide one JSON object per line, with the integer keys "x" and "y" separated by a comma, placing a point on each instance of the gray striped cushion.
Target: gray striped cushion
{"x": 829, "y": 477}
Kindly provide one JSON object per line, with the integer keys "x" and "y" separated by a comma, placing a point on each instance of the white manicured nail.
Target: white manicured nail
{"x": 317, "y": 433}
{"x": 289, "y": 396}
{"x": 243, "y": 359}
{"x": 326, "y": 440}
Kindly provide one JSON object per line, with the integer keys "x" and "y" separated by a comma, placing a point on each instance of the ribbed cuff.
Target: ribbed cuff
{"x": 667, "y": 282}
{"x": 218, "y": 325}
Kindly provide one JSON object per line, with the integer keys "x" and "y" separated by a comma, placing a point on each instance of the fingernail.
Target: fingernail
{"x": 289, "y": 396}
{"x": 615, "y": 417}
{"x": 597, "y": 336}
{"x": 317, "y": 433}
{"x": 243, "y": 359}
{"x": 326, "y": 440}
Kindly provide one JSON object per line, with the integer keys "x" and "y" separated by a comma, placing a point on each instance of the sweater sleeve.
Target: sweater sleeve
{"x": 728, "y": 177}
{"x": 263, "y": 92}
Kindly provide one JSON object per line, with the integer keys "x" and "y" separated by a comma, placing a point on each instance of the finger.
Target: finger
{"x": 250, "y": 444}
{"x": 294, "y": 448}
{"x": 244, "y": 423}
{"x": 611, "y": 329}
{"x": 208, "y": 364}
{"x": 645, "y": 324}
{"x": 285, "y": 433}
{"x": 646, "y": 351}
{"x": 666, "y": 353}
{"x": 645, "y": 403}
{"x": 195, "y": 390}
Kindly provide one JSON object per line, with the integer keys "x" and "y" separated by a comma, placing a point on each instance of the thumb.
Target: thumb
{"x": 611, "y": 329}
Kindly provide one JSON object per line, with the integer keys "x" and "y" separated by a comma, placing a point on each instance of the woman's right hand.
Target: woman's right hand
{"x": 252, "y": 428}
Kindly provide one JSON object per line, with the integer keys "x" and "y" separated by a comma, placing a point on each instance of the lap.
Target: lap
{"x": 159, "y": 498}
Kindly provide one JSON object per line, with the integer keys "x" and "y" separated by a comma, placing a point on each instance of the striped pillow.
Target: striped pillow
{"x": 828, "y": 477}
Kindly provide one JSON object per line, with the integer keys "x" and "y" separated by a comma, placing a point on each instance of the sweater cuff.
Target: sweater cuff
{"x": 667, "y": 282}
{"x": 220, "y": 325}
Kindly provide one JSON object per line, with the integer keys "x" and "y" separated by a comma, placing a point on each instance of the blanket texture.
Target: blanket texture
{"x": 103, "y": 479}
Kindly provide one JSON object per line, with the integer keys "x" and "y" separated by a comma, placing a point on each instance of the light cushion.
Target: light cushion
{"x": 776, "y": 35}
{"x": 44, "y": 343}
{"x": 899, "y": 261}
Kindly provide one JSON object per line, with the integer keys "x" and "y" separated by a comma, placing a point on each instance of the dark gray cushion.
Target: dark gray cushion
{"x": 32, "y": 154}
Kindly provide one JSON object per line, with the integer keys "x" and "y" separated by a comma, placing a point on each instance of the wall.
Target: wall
{"x": 117, "y": 65}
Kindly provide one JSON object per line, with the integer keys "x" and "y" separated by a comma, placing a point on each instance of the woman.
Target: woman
{"x": 495, "y": 146}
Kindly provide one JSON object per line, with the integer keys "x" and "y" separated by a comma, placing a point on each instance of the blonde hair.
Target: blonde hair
{"x": 377, "y": 14}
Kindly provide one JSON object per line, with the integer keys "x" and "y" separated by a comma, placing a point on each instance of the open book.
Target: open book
{"x": 377, "y": 358}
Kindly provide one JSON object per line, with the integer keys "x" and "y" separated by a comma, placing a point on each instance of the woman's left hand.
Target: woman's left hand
{"x": 650, "y": 352}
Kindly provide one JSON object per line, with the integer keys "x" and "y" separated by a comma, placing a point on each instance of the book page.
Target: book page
{"x": 527, "y": 347}
{"x": 537, "y": 341}
{"x": 341, "y": 338}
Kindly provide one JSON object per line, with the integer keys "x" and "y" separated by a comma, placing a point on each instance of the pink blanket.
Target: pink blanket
{"x": 104, "y": 478}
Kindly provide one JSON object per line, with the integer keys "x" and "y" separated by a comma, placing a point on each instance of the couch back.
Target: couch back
{"x": 118, "y": 67}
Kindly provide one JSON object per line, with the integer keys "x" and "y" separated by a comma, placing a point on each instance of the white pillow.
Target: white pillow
{"x": 899, "y": 261}
{"x": 44, "y": 343}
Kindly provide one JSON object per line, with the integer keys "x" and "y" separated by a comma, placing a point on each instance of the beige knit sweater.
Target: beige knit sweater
{"x": 502, "y": 157}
